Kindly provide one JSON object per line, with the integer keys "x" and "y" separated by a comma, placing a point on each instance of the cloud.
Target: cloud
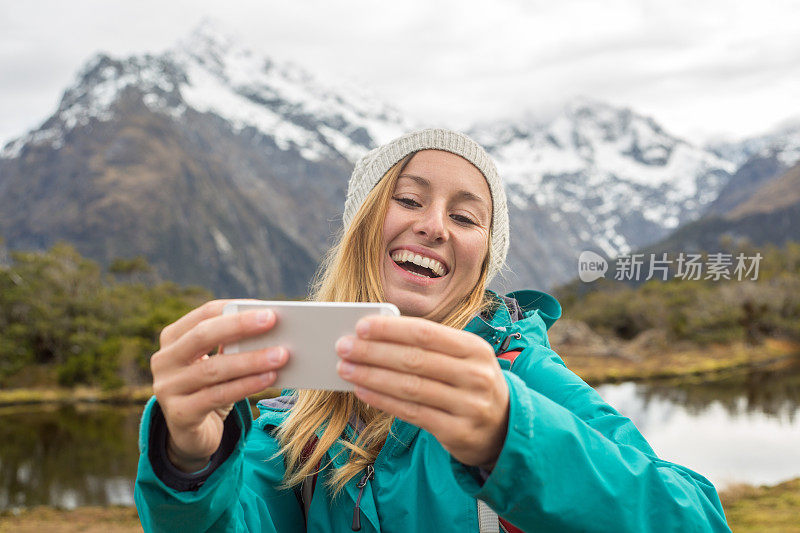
{"x": 450, "y": 62}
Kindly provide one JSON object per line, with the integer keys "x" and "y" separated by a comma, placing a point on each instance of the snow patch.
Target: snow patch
{"x": 223, "y": 245}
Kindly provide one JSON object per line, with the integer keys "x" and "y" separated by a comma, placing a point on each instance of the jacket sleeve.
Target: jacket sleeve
{"x": 240, "y": 494}
{"x": 570, "y": 462}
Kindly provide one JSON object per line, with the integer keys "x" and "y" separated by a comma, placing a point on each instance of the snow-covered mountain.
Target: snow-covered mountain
{"x": 239, "y": 162}
{"x": 615, "y": 176}
{"x": 210, "y": 72}
{"x": 760, "y": 160}
{"x": 783, "y": 143}
{"x": 224, "y": 167}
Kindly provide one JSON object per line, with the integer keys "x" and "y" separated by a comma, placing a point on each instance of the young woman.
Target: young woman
{"x": 461, "y": 410}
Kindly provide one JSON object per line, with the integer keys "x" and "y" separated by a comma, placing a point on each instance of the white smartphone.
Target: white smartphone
{"x": 309, "y": 330}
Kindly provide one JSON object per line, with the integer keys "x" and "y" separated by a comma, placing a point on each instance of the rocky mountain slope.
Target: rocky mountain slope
{"x": 769, "y": 215}
{"x": 222, "y": 167}
{"x": 760, "y": 160}
{"x": 759, "y": 205}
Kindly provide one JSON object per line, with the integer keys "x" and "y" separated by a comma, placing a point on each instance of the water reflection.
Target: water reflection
{"x": 743, "y": 427}
{"x": 774, "y": 392}
{"x": 740, "y": 428}
{"x": 68, "y": 456}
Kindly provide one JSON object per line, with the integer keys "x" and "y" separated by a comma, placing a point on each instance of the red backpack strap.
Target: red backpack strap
{"x": 308, "y": 449}
{"x": 510, "y": 355}
{"x": 506, "y": 527}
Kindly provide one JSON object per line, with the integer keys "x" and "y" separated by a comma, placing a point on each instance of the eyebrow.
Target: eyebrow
{"x": 461, "y": 194}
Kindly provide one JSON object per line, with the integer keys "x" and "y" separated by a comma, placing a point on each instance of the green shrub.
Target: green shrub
{"x": 701, "y": 311}
{"x": 57, "y": 308}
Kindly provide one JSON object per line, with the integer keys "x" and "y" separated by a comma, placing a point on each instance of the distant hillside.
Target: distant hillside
{"x": 774, "y": 196}
{"x": 700, "y": 310}
{"x": 769, "y": 215}
{"x": 221, "y": 167}
{"x": 754, "y": 173}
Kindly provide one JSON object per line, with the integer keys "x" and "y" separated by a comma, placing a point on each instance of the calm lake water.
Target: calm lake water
{"x": 745, "y": 428}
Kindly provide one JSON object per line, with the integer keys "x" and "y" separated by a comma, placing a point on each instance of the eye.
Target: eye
{"x": 462, "y": 219}
{"x": 407, "y": 202}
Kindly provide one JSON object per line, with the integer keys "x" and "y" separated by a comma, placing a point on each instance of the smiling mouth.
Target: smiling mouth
{"x": 419, "y": 265}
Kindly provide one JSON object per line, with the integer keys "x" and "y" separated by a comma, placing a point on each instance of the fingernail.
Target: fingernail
{"x": 275, "y": 355}
{"x": 267, "y": 378}
{"x": 262, "y": 317}
{"x": 345, "y": 368}
{"x": 362, "y": 327}
{"x": 344, "y": 345}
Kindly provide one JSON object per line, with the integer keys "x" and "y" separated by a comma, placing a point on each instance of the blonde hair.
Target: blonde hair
{"x": 350, "y": 273}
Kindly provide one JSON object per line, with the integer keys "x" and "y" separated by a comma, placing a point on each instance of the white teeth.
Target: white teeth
{"x": 403, "y": 256}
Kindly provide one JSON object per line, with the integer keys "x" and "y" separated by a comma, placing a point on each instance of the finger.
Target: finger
{"x": 423, "y": 333}
{"x": 415, "y": 360}
{"x": 408, "y": 387}
{"x": 177, "y": 329}
{"x": 222, "y": 329}
{"x": 428, "y": 418}
{"x": 221, "y": 395}
{"x": 213, "y": 370}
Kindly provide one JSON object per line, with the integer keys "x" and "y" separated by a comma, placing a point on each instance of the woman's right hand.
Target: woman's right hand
{"x": 196, "y": 392}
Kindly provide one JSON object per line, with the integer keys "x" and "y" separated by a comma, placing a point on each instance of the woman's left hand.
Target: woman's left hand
{"x": 444, "y": 380}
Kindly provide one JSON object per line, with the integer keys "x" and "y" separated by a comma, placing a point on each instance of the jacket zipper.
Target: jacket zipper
{"x": 507, "y": 341}
{"x": 369, "y": 474}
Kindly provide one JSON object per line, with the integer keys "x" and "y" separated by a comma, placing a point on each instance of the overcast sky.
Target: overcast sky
{"x": 701, "y": 68}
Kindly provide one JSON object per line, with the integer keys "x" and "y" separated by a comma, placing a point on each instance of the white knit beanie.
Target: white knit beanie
{"x": 374, "y": 164}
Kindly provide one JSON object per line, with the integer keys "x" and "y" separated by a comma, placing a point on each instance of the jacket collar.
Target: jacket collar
{"x": 516, "y": 312}
{"x": 538, "y": 302}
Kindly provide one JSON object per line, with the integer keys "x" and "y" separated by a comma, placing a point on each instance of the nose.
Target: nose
{"x": 432, "y": 224}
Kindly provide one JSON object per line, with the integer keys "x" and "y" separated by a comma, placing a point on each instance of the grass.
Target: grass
{"x": 25, "y": 396}
{"x": 764, "y": 509}
{"x": 686, "y": 363}
{"x": 83, "y": 519}
{"x": 126, "y": 395}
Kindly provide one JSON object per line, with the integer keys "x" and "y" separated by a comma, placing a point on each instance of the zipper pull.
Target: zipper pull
{"x": 507, "y": 341}
{"x": 369, "y": 474}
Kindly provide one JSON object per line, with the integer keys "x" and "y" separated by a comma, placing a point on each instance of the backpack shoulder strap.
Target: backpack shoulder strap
{"x": 310, "y": 481}
{"x": 510, "y": 355}
{"x": 306, "y": 493}
{"x": 488, "y": 521}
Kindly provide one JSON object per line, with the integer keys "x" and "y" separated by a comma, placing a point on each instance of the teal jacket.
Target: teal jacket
{"x": 570, "y": 462}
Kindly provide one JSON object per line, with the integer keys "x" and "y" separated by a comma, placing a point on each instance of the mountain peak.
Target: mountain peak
{"x": 215, "y": 49}
{"x": 209, "y": 71}
{"x": 781, "y": 142}
{"x": 589, "y": 105}
{"x": 208, "y": 35}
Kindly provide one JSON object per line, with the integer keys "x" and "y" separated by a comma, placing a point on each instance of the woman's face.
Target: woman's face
{"x": 435, "y": 235}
